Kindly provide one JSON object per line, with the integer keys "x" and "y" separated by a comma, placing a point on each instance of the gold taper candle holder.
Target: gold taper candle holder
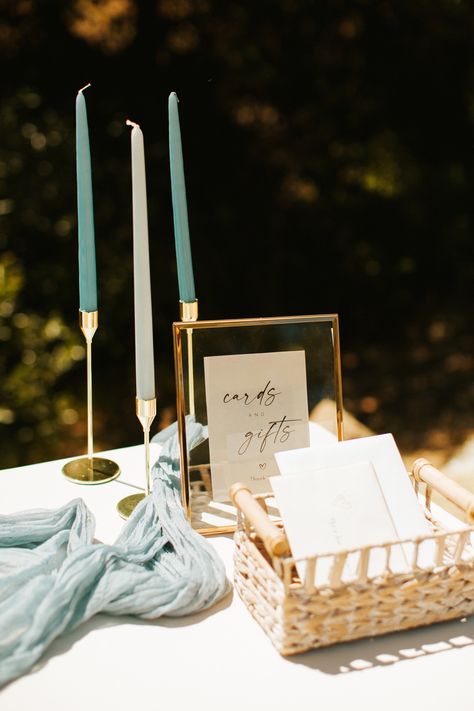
{"x": 90, "y": 469}
{"x": 146, "y": 411}
{"x": 188, "y": 311}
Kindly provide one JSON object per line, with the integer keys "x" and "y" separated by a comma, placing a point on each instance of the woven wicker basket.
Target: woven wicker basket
{"x": 298, "y": 616}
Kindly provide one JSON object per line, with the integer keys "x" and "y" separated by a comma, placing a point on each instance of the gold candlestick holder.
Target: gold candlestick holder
{"x": 188, "y": 311}
{"x": 90, "y": 469}
{"x": 146, "y": 411}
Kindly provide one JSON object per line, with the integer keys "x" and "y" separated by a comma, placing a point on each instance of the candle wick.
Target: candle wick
{"x": 132, "y": 123}
{"x": 84, "y": 87}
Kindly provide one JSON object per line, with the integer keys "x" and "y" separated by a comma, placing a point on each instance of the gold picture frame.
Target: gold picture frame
{"x": 318, "y": 335}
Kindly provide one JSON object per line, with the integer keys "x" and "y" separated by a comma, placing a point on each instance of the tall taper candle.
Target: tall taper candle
{"x": 85, "y": 210}
{"x": 180, "y": 211}
{"x": 144, "y": 358}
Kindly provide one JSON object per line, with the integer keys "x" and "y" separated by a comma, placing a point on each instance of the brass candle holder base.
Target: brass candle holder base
{"x": 146, "y": 411}
{"x": 91, "y": 471}
{"x": 127, "y": 506}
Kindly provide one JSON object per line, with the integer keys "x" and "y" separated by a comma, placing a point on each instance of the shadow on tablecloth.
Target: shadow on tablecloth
{"x": 101, "y": 621}
{"x": 390, "y": 648}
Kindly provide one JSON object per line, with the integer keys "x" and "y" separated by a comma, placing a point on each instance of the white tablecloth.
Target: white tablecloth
{"x": 221, "y": 659}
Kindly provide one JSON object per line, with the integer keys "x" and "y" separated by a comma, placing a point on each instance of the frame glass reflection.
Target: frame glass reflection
{"x": 317, "y": 336}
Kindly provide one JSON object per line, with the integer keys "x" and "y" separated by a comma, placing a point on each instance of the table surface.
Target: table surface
{"x": 220, "y": 659}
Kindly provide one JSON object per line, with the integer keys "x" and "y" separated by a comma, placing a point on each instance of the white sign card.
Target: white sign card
{"x": 338, "y": 509}
{"x": 257, "y": 404}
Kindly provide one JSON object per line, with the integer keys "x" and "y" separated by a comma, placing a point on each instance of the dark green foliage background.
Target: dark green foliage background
{"x": 329, "y": 163}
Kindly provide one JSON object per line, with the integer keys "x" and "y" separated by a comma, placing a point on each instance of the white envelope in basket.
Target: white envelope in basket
{"x": 405, "y": 511}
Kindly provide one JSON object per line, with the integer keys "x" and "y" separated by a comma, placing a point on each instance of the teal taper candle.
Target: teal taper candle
{"x": 180, "y": 211}
{"x": 85, "y": 210}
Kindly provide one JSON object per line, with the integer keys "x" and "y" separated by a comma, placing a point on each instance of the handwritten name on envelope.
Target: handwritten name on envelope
{"x": 257, "y": 404}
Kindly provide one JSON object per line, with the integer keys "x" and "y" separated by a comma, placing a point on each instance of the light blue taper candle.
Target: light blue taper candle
{"x": 180, "y": 211}
{"x": 85, "y": 210}
{"x": 144, "y": 356}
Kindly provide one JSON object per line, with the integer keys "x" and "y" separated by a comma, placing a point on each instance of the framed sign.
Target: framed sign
{"x": 259, "y": 386}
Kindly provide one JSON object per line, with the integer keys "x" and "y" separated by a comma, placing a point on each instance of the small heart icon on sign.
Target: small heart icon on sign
{"x": 263, "y": 466}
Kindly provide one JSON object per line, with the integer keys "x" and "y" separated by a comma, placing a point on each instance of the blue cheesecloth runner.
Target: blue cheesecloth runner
{"x": 53, "y": 577}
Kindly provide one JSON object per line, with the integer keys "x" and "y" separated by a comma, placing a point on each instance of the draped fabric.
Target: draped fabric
{"x": 53, "y": 576}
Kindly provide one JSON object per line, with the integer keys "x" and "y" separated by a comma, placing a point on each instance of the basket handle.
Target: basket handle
{"x": 273, "y": 538}
{"x": 425, "y": 472}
